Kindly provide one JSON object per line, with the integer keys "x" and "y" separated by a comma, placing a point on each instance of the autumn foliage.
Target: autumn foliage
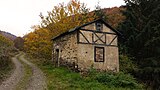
{"x": 6, "y": 51}
{"x": 65, "y": 17}
{"x": 115, "y": 16}
{"x": 62, "y": 18}
{"x": 38, "y": 43}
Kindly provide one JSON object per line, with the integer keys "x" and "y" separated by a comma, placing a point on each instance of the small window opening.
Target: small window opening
{"x": 99, "y": 26}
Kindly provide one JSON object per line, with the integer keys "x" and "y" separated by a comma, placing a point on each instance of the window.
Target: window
{"x": 99, "y": 54}
{"x": 99, "y": 26}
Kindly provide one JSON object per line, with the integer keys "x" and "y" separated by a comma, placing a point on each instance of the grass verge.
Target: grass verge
{"x": 5, "y": 72}
{"x": 6, "y": 67}
{"x": 25, "y": 79}
{"x": 64, "y": 79}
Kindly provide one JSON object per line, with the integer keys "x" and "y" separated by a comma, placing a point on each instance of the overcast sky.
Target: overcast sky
{"x": 17, "y": 16}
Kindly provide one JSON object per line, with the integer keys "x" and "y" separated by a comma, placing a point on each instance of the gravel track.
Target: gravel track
{"x": 36, "y": 81}
{"x": 11, "y": 82}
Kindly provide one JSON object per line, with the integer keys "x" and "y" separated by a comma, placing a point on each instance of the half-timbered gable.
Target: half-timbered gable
{"x": 92, "y": 44}
{"x": 103, "y": 36}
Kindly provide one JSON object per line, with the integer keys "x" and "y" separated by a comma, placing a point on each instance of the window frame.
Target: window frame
{"x": 96, "y": 47}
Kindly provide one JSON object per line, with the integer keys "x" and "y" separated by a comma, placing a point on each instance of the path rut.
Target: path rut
{"x": 36, "y": 81}
{"x": 13, "y": 80}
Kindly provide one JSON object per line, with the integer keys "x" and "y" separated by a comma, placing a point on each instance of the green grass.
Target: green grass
{"x": 25, "y": 79}
{"x": 63, "y": 79}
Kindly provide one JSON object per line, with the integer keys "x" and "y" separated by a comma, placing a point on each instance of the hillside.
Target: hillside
{"x": 114, "y": 15}
{"x": 8, "y": 35}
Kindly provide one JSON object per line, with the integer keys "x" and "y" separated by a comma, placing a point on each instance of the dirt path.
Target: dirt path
{"x": 12, "y": 81}
{"x": 36, "y": 81}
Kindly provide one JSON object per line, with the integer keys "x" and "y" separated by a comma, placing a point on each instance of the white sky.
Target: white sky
{"x": 17, "y": 16}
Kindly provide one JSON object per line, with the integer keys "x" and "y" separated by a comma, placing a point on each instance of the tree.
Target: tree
{"x": 65, "y": 17}
{"x": 115, "y": 16}
{"x": 99, "y": 12}
{"x": 38, "y": 43}
{"x": 60, "y": 19}
{"x": 18, "y": 43}
{"x": 141, "y": 29}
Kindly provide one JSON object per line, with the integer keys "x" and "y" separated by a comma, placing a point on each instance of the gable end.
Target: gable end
{"x": 79, "y": 27}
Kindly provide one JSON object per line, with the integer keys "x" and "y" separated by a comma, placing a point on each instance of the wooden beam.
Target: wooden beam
{"x": 93, "y": 42}
{"x": 84, "y": 36}
{"x": 98, "y": 31}
{"x": 93, "y": 38}
{"x": 99, "y": 38}
{"x": 97, "y": 44}
{"x": 113, "y": 40}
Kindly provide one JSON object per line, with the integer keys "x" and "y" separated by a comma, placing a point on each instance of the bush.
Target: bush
{"x": 111, "y": 79}
{"x": 5, "y": 66}
{"x": 4, "y": 61}
{"x": 118, "y": 80}
{"x": 126, "y": 64}
{"x": 6, "y": 52}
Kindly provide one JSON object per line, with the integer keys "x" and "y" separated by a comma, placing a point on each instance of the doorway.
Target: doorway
{"x": 57, "y": 58}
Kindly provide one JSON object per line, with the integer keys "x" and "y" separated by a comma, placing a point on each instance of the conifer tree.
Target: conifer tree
{"x": 142, "y": 32}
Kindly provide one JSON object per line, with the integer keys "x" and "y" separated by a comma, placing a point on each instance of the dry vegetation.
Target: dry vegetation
{"x": 6, "y": 52}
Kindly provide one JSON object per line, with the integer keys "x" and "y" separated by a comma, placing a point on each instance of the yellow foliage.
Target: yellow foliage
{"x": 59, "y": 20}
{"x": 37, "y": 42}
{"x": 65, "y": 17}
{"x": 5, "y": 42}
{"x": 6, "y": 46}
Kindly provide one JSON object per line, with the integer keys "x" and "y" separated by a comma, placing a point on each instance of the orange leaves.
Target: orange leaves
{"x": 65, "y": 17}
{"x": 59, "y": 20}
{"x": 115, "y": 16}
{"x": 74, "y": 7}
{"x": 38, "y": 41}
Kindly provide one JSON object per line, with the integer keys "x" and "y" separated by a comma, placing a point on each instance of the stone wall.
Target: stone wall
{"x": 67, "y": 46}
{"x": 86, "y": 58}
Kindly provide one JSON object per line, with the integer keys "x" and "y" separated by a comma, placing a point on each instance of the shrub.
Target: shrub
{"x": 126, "y": 64}
{"x": 6, "y": 52}
{"x": 4, "y": 61}
{"x": 118, "y": 80}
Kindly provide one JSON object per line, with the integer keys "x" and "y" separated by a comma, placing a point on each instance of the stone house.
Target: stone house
{"x": 93, "y": 44}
